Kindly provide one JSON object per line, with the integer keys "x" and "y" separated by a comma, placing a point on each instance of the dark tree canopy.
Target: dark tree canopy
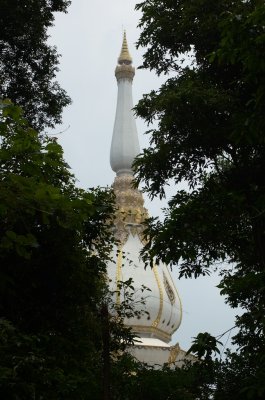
{"x": 28, "y": 64}
{"x": 51, "y": 278}
{"x": 211, "y": 135}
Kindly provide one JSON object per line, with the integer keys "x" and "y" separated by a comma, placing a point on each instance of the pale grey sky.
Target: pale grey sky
{"x": 89, "y": 39}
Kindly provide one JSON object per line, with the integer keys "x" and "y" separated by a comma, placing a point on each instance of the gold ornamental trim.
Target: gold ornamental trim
{"x": 124, "y": 71}
{"x": 169, "y": 290}
{"x": 174, "y": 352}
{"x": 153, "y": 331}
{"x": 157, "y": 320}
{"x": 125, "y": 56}
{"x": 180, "y": 302}
{"x": 130, "y": 211}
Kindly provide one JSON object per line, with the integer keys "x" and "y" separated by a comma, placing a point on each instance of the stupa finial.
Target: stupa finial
{"x": 125, "y": 144}
{"x": 125, "y": 57}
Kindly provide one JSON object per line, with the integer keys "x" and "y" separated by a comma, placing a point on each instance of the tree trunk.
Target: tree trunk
{"x": 106, "y": 352}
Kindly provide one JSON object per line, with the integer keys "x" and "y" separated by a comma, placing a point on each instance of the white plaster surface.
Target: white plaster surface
{"x": 156, "y": 356}
{"x": 154, "y": 342}
{"x": 125, "y": 144}
{"x": 157, "y": 303}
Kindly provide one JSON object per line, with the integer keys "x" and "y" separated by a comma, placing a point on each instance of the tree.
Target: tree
{"x": 28, "y": 65}
{"x": 51, "y": 276}
{"x": 61, "y": 334}
{"x": 210, "y": 134}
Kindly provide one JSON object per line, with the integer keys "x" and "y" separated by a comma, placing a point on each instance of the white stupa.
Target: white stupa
{"x": 162, "y": 303}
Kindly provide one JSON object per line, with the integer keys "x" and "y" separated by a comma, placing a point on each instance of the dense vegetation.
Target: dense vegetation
{"x": 51, "y": 278}
{"x": 54, "y": 239}
{"x": 211, "y": 135}
{"x": 57, "y": 337}
{"x": 28, "y": 64}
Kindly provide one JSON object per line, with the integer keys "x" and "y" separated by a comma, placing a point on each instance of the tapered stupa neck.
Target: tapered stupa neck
{"x": 125, "y": 145}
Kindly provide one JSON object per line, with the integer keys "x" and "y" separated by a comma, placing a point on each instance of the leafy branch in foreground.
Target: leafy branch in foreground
{"x": 210, "y": 135}
{"x": 51, "y": 278}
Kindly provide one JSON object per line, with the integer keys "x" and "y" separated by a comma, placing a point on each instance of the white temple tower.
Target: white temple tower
{"x": 164, "y": 312}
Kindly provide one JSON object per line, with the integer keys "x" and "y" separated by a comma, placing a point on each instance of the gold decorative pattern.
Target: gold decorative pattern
{"x": 157, "y": 320}
{"x": 169, "y": 290}
{"x": 174, "y": 352}
{"x": 125, "y": 56}
{"x": 180, "y": 303}
{"x": 159, "y": 333}
{"x": 124, "y": 71}
{"x": 130, "y": 212}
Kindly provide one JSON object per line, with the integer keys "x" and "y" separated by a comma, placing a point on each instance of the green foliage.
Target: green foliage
{"x": 210, "y": 135}
{"x": 204, "y": 345}
{"x": 28, "y": 65}
{"x": 51, "y": 277}
{"x": 191, "y": 382}
{"x": 61, "y": 333}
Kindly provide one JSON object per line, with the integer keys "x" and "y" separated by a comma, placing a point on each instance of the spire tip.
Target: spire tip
{"x": 125, "y": 57}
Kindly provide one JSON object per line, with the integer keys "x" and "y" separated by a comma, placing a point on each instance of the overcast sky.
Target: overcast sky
{"x": 89, "y": 39}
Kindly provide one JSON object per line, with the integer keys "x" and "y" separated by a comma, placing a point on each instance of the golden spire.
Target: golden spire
{"x": 125, "y": 57}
